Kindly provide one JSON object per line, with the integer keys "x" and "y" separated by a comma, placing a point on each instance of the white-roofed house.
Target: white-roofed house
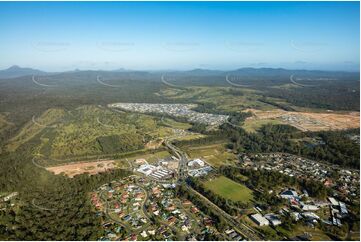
{"x": 259, "y": 219}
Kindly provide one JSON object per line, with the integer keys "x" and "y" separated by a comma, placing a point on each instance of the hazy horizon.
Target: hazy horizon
{"x": 173, "y": 69}
{"x": 63, "y": 36}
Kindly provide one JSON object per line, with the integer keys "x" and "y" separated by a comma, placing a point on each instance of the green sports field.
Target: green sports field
{"x": 229, "y": 189}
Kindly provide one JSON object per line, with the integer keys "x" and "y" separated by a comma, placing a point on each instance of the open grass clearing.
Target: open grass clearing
{"x": 150, "y": 157}
{"x": 252, "y": 125}
{"x": 229, "y": 189}
{"x": 223, "y": 97}
{"x": 316, "y": 234}
{"x": 174, "y": 124}
{"x": 215, "y": 154}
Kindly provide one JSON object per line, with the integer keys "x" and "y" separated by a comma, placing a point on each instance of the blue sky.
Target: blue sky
{"x": 60, "y": 36}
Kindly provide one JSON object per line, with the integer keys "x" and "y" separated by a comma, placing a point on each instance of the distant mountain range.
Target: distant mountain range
{"x": 17, "y": 71}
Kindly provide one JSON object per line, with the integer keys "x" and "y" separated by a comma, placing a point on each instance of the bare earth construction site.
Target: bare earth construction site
{"x": 307, "y": 121}
{"x": 77, "y": 168}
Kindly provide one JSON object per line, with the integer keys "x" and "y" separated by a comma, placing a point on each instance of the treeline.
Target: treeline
{"x": 199, "y": 128}
{"x": 278, "y": 105}
{"x": 209, "y": 139}
{"x": 336, "y": 148}
{"x": 120, "y": 143}
{"x": 239, "y": 118}
{"x": 208, "y": 108}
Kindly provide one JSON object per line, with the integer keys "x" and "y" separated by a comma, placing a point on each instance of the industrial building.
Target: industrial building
{"x": 259, "y": 219}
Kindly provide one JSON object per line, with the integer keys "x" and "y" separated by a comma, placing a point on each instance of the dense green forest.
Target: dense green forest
{"x": 50, "y": 207}
{"x": 341, "y": 96}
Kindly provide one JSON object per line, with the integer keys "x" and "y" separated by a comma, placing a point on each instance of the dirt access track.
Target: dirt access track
{"x": 91, "y": 168}
{"x": 310, "y": 121}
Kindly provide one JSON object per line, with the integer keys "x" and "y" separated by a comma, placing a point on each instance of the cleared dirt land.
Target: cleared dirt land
{"x": 306, "y": 121}
{"x": 83, "y": 167}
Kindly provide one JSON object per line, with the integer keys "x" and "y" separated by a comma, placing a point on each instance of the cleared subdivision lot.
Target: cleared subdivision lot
{"x": 74, "y": 169}
{"x": 305, "y": 121}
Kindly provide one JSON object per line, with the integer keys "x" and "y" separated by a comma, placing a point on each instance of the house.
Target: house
{"x": 10, "y": 196}
{"x": 171, "y": 220}
{"x": 194, "y": 210}
{"x": 233, "y": 234}
{"x": 238, "y": 238}
{"x": 187, "y": 203}
{"x": 259, "y": 219}
{"x": 196, "y": 162}
{"x": 310, "y": 215}
{"x": 309, "y": 207}
{"x": 328, "y": 182}
{"x": 140, "y": 161}
{"x": 170, "y": 208}
{"x": 289, "y": 194}
{"x": 144, "y": 234}
{"x": 207, "y": 222}
{"x": 296, "y": 216}
{"x": 305, "y": 193}
{"x": 176, "y": 211}
{"x": 146, "y": 169}
{"x": 185, "y": 228}
{"x": 343, "y": 208}
{"x": 333, "y": 201}
{"x": 273, "y": 219}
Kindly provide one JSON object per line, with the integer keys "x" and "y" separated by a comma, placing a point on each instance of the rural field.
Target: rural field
{"x": 150, "y": 157}
{"x": 215, "y": 154}
{"x": 229, "y": 189}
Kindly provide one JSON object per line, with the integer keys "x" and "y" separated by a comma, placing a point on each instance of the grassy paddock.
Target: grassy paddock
{"x": 214, "y": 154}
{"x": 252, "y": 125}
{"x": 229, "y": 189}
